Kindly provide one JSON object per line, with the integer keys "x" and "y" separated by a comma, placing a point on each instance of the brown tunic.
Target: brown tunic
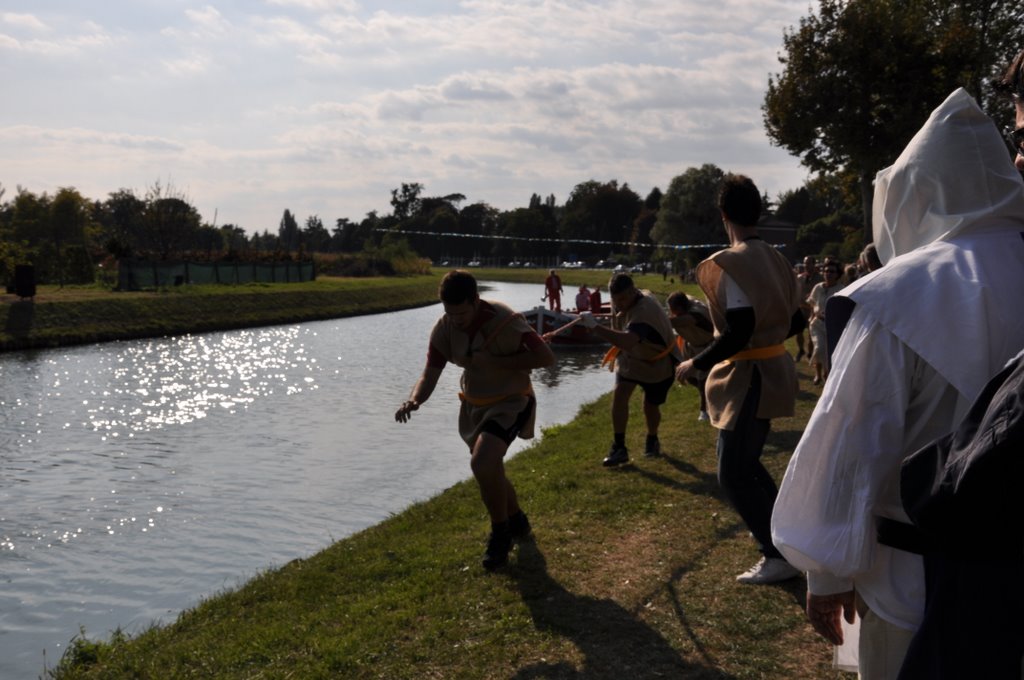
{"x": 640, "y": 363}
{"x": 769, "y": 283}
{"x": 500, "y": 394}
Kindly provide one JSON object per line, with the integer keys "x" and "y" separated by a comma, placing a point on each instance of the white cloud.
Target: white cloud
{"x": 208, "y": 21}
{"x": 317, "y": 5}
{"x": 26, "y": 21}
{"x": 324, "y": 107}
{"x": 186, "y": 66}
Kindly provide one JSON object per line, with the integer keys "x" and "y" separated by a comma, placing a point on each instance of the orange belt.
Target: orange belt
{"x": 769, "y": 352}
{"x": 491, "y": 401}
{"x": 610, "y": 355}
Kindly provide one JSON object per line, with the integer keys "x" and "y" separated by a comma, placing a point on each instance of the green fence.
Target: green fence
{"x": 138, "y": 274}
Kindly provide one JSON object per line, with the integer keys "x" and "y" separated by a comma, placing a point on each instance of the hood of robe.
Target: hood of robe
{"x": 955, "y": 177}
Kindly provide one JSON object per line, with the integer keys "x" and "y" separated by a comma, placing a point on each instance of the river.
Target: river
{"x": 138, "y": 477}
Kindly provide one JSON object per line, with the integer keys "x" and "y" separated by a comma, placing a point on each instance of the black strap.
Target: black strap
{"x": 903, "y": 536}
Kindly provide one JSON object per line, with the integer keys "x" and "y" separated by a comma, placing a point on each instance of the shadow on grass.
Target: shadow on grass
{"x": 783, "y": 441}
{"x": 19, "y": 319}
{"x": 703, "y": 483}
{"x": 613, "y": 642}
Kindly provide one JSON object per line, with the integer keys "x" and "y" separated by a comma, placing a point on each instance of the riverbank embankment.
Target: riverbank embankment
{"x": 72, "y": 315}
{"x": 75, "y": 315}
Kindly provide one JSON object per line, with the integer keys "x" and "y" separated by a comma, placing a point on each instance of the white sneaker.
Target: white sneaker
{"x": 770, "y": 570}
{"x": 703, "y": 417}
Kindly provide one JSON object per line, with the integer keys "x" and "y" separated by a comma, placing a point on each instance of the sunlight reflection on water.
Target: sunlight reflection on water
{"x": 137, "y": 477}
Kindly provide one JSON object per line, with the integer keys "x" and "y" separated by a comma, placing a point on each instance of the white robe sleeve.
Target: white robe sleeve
{"x": 825, "y": 515}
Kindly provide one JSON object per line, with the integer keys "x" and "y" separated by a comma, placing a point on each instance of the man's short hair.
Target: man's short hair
{"x": 620, "y": 283}
{"x": 457, "y": 287}
{"x": 678, "y": 302}
{"x": 740, "y": 200}
{"x": 1012, "y": 82}
{"x": 870, "y": 254}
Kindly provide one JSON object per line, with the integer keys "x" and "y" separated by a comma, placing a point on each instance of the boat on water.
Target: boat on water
{"x": 545, "y": 320}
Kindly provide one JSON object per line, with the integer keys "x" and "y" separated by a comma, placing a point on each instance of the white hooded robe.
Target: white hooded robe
{"x": 927, "y": 332}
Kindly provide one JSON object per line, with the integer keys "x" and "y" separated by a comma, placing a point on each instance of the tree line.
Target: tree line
{"x": 857, "y": 79}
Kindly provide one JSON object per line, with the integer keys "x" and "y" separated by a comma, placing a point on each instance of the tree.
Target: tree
{"x": 171, "y": 223}
{"x": 860, "y": 77}
{"x": 69, "y": 213}
{"x": 476, "y": 219}
{"x": 406, "y": 201}
{"x": 29, "y": 217}
{"x": 315, "y": 235}
{"x": 288, "y": 232}
{"x": 689, "y": 212}
{"x": 598, "y": 211}
{"x": 234, "y": 239}
{"x": 121, "y": 219}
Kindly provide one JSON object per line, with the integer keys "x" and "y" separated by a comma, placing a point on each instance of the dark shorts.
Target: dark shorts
{"x": 654, "y": 393}
{"x": 509, "y": 434}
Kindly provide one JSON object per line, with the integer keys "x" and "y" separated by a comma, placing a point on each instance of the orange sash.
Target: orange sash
{"x": 769, "y": 352}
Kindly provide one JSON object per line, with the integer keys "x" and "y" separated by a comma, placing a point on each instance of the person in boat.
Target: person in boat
{"x": 496, "y": 349}
{"x": 595, "y": 300}
{"x": 691, "y": 321}
{"x": 754, "y": 298}
{"x": 644, "y": 354}
{"x": 553, "y": 290}
{"x": 583, "y": 299}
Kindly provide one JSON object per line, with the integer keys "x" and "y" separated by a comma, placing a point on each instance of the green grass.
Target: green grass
{"x": 75, "y": 315}
{"x": 82, "y": 314}
{"x": 630, "y": 575}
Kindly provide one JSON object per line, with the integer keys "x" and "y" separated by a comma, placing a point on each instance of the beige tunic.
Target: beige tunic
{"x": 647, "y": 362}
{"x": 695, "y": 338}
{"x": 493, "y": 394}
{"x": 768, "y": 281}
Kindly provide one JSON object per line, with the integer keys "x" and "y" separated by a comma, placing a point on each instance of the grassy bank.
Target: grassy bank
{"x": 630, "y": 575}
{"x": 75, "y": 314}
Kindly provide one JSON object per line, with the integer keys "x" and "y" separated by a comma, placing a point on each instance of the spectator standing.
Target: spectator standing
{"x": 948, "y": 224}
{"x": 754, "y": 299}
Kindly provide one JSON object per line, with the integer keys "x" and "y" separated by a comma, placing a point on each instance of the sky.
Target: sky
{"x": 323, "y": 107}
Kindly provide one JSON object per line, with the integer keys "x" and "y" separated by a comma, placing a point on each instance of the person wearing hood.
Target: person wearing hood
{"x": 919, "y": 339}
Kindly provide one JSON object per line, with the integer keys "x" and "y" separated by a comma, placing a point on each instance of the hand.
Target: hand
{"x": 404, "y": 411}
{"x": 683, "y": 370}
{"x": 587, "y": 320}
{"x": 823, "y": 611}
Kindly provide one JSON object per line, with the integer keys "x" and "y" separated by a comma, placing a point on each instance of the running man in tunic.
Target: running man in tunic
{"x": 497, "y": 349}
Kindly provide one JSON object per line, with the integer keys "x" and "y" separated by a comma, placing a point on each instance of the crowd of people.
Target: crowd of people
{"x": 890, "y": 504}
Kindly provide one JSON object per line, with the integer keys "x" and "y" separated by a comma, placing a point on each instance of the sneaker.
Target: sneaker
{"x": 617, "y": 455}
{"x": 496, "y": 555}
{"x": 519, "y": 526}
{"x": 653, "y": 449}
{"x": 769, "y": 570}
{"x": 703, "y": 417}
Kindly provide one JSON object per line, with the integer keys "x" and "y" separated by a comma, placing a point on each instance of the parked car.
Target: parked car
{"x": 473, "y": 263}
